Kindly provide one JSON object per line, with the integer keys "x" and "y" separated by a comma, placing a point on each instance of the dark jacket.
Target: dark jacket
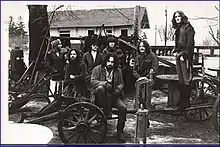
{"x": 88, "y": 60}
{"x": 98, "y": 77}
{"x": 57, "y": 62}
{"x": 143, "y": 64}
{"x": 184, "y": 39}
{"x": 116, "y": 51}
{"x": 77, "y": 70}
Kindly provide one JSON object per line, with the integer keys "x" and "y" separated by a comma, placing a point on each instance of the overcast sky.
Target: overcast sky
{"x": 156, "y": 12}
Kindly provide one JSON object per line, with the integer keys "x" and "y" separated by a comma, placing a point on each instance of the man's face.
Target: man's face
{"x": 73, "y": 55}
{"x": 178, "y": 18}
{"x": 142, "y": 47}
{"x": 94, "y": 47}
{"x": 111, "y": 44}
{"x": 110, "y": 63}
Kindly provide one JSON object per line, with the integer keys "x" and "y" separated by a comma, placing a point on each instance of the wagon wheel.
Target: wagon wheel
{"x": 216, "y": 115}
{"x": 82, "y": 122}
{"x": 203, "y": 93}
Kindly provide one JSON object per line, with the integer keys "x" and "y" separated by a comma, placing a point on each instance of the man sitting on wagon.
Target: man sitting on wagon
{"x": 76, "y": 72}
{"x": 107, "y": 83}
{"x": 146, "y": 64}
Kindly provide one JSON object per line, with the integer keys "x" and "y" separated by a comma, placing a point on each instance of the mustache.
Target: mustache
{"x": 109, "y": 66}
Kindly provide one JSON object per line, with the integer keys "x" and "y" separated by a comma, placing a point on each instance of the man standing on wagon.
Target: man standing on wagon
{"x": 184, "y": 47}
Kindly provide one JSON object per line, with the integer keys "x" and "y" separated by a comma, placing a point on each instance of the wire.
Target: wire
{"x": 122, "y": 14}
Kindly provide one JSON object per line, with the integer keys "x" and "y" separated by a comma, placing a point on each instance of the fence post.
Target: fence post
{"x": 212, "y": 52}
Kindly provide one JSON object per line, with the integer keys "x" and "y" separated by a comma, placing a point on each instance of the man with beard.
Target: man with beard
{"x": 184, "y": 47}
{"x": 76, "y": 73}
{"x": 107, "y": 82}
{"x": 146, "y": 65}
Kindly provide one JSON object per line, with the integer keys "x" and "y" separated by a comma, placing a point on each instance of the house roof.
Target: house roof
{"x": 97, "y": 17}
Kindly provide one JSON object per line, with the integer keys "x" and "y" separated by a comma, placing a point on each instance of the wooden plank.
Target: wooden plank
{"x": 65, "y": 37}
{"x": 167, "y": 62}
{"x": 128, "y": 44}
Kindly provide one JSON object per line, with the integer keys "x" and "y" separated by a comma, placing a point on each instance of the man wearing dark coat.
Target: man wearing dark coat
{"x": 93, "y": 57}
{"x": 107, "y": 83}
{"x": 112, "y": 48}
{"x": 56, "y": 58}
{"x": 76, "y": 72}
{"x": 145, "y": 68}
{"x": 184, "y": 47}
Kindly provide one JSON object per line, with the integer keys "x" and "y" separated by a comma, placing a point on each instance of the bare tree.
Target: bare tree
{"x": 215, "y": 36}
{"x": 207, "y": 41}
{"x": 170, "y": 33}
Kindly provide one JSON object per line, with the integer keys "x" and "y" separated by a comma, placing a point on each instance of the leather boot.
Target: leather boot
{"x": 184, "y": 97}
{"x": 120, "y": 133}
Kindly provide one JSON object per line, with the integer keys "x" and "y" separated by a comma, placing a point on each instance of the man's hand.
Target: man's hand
{"x": 117, "y": 92}
{"x": 108, "y": 87}
{"x": 142, "y": 78}
{"x": 72, "y": 76}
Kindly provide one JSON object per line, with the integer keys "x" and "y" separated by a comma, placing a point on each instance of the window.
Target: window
{"x": 64, "y": 37}
{"x": 90, "y": 32}
{"x": 64, "y": 32}
{"x": 124, "y": 32}
{"x": 109, "y": 31}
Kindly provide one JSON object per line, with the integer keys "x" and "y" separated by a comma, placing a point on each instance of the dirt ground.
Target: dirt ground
{"x": 164, "y": 128}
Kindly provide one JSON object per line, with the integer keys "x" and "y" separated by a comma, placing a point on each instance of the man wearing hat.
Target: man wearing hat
{"x": 112, "y": 49}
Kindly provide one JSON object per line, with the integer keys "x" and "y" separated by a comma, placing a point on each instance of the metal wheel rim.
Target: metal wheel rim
{"x": 78, "y": 114}
{"x": 200, "y": 114}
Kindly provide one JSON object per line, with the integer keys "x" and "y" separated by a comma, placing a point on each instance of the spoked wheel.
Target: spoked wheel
{"x": 198, "y": 114}
{"x": 82, "y": 123}
{"x": 203, "y": 94}
{"x": 216, "y": 115}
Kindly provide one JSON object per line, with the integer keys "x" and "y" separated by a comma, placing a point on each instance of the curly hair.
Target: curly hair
{"x": 183, "y": 16}
{"x": 104, "y": 61}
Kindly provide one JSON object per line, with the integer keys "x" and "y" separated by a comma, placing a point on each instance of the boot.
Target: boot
{"x": 120, "y": 133}
{"x": 184, "y": 97}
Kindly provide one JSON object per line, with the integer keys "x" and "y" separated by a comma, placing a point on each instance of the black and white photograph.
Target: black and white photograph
{"x": 110, "y": 72}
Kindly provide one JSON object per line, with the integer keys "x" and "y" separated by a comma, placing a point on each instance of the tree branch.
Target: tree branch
{"x": 217, "y": 8}
{"x": 211, "y": 25}
{"x": 213, "y": 36}
{"x": 207, "y": 18}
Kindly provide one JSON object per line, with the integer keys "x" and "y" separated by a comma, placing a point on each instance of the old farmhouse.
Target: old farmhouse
{"x": 116, "y": 21}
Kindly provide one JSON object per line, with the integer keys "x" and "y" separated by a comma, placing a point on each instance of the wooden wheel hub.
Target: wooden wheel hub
{"x": 82, "y": 128}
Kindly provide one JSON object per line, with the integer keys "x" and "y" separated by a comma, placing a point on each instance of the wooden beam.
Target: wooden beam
{"x": 167, "y": 62}
{"x": 65, "y": 37}
{"x": 136, "y": 24}
{"x": 128, "y": 44}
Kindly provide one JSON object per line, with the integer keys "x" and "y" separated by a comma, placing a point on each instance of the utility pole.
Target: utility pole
{"x": 136, "y": 24}
{"x": 165, "y": 33}
{"x": 155, "y": 35}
